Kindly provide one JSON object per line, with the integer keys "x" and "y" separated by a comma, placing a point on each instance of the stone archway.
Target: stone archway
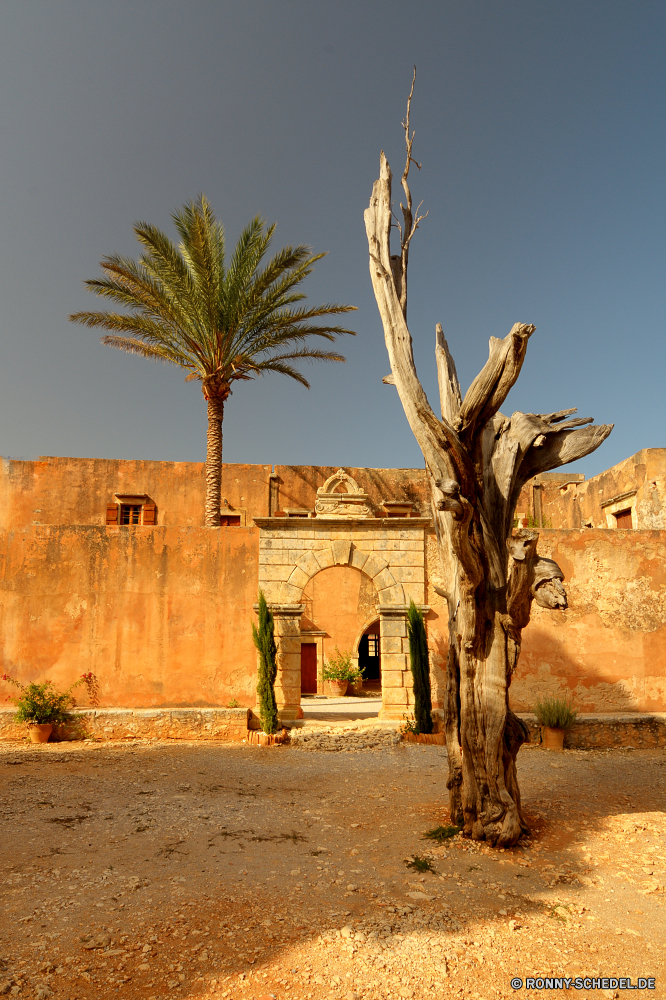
{"x": 342, "y": 552}
{"x": 389, "y": 551}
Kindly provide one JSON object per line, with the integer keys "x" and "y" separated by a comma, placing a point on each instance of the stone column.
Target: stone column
{"x": 287, "y": 618}
{"x": 397, "y": 691}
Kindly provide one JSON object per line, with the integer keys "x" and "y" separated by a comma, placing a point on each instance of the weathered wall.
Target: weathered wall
{"x": 160, "y": 615}
{"x": 608, "y": 650}
{"x": 569, "y": 504}
{"x": 77, "y": 490}
{"x": 298, "y": 485}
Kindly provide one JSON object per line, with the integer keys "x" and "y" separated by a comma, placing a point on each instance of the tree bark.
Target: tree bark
{"x": 477, "y": 462}
{"x": 214, "y": 461}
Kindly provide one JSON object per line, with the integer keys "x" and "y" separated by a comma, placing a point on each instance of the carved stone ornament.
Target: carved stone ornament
{"x": 351, "y": 501}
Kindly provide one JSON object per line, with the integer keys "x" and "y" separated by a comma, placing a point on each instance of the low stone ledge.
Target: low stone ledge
{"x": 225, "y": 724}
{"x": 636, "y": 730}
{"x": 599, "y": 731}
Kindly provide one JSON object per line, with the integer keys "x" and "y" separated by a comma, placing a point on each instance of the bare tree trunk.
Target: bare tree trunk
{"x": 477, "y": 461}
{"x": 214, "y": 461}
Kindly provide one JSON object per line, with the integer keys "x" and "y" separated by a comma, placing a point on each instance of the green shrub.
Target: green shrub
{"x": 43, "y": 704}
{"x": 264, "y": 640}
{"x": 340, "y": 668}
{"x": 421, "y": 864}
{"x": 555, "y": 713}
{"x": 420, "y": 665}
{"x": 442, "y": 833}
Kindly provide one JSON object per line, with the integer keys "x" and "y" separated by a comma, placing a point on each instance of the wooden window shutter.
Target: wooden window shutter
{"x": 149, "y": 513}
{"x": 112, "y": 513}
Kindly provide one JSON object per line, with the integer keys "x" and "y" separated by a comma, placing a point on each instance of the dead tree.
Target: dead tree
{"x": 477, "y": 461}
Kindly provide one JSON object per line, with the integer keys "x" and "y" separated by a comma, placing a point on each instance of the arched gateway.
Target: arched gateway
{"x": 389, "y": 552}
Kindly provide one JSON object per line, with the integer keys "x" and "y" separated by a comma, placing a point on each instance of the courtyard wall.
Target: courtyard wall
{"x": 160, "y": 615}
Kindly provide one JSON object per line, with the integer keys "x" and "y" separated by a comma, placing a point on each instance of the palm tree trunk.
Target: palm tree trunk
{"x": 214, "y": 462}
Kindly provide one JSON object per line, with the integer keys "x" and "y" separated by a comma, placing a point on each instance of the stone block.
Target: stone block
{"x": 324, "y": 557}
{"x": 408, "y": 680}
{"x": 271, "y": 573}
{"x": 413, "y": 592}
{"x": 308, "y": 563}
{"x": 393, "y": 661}
{"x": 359, "y": 558}
{"x": 394, "y": 696}
{"x": 289, "y": 645}
{"x": 408, "y": 559}
{"x": 286, "y": 594}
{"x": 341, "y": 551}
{"x": 273, "y": 543}
{"x": 298, "y": 578}
{"x": 374, "y": 565}
{"x": 384, "y": 579}
{"x": 393, "y": 626}
{"x": 392, "y": 678}
{"x": 392, "y": 595}
{"x": 276, "y": 557}
{"x": 391, "y": 644}
{"x": 409, "y": 574}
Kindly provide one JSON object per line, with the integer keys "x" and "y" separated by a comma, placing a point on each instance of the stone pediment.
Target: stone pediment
{"x": 341, "y": 496}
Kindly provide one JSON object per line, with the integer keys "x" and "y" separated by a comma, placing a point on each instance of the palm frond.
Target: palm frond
{"x": 203, "y": 249}
{"x": 284, "y": 369}
{"x": 153, "y": 352}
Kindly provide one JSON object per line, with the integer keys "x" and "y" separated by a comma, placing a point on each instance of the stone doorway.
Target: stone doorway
{"x": 369, "y": 658}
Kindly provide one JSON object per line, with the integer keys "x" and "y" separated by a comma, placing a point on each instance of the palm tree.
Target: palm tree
{"x": 223, "y": 323}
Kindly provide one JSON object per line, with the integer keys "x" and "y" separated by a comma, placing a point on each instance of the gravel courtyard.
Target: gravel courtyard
{"x": 207, "y": 870}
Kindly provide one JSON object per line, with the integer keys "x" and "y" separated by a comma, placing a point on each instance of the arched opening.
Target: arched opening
{"x": 369, "y": 658}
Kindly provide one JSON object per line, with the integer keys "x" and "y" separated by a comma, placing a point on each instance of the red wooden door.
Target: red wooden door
{"x": 308, "y": 668}
{"x": 623, "y": 518}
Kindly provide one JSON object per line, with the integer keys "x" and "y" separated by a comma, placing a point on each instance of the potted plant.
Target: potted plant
{"x": 338, "y": 671}
{"x": 42, "y": 706}
{"x": 356, "y": 682}
{"x": 555, "y": 716}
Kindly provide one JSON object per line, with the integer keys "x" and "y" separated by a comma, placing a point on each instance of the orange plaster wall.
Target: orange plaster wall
{"x": 160, "y": 615}
{"x": 77, "y": 490}
{"x": 608, "y": 650}
{"x": 339, "y": 601}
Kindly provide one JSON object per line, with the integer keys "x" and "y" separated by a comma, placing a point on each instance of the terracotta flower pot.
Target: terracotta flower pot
{"x": 338, "y": 688}
{"x": 39, "y": 733}
{"x": 553, "y": 739}
{"x": 356, "y": 687}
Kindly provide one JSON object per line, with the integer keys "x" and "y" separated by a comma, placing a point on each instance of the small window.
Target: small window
{"x": 373, "y": 645}
{"x": 131, "y": 510}
{"x": 130, "y": 513}
{"x": 230, "y": 520}
{"x": 623, "y": 518}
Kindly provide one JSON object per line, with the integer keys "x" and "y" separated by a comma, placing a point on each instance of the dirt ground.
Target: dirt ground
{"x": 208, "y": 870}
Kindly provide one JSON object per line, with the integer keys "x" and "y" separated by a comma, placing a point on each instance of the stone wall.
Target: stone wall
{"x": 226, "y": 724}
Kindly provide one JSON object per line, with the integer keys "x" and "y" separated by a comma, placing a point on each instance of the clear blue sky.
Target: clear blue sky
{"x": 540, "y": 127}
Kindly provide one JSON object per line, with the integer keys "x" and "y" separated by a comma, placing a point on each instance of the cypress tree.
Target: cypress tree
{"x": 419, "y": 663}
{"x": 264, "y": 640}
